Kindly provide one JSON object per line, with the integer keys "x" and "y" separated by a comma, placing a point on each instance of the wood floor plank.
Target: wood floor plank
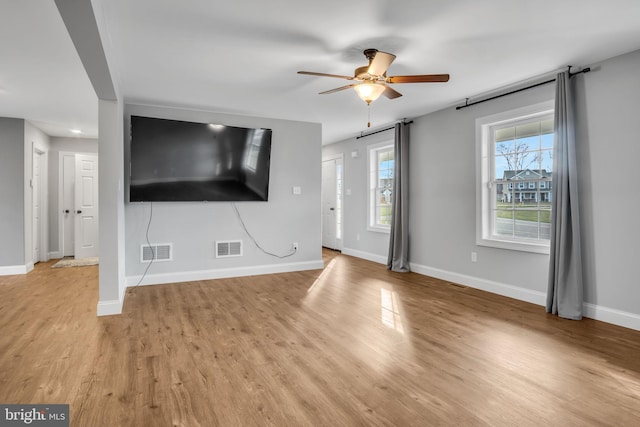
{"x": 352, "y": 344}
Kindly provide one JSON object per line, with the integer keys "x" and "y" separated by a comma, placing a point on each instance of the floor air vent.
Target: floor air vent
{"x": 159, "y": 252}
{"x": 228, "y": 248}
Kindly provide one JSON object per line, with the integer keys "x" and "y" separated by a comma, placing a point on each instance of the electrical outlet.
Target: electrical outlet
{"x": 474, "y": 257}
{"x": 294, "y": 245}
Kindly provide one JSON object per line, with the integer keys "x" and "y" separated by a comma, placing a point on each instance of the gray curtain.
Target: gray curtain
{"x": 398, "y": 259}
{"x": 564, "y": 294}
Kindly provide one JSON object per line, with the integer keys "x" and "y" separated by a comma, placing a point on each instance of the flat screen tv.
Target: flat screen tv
{"x": 178, "y": 161}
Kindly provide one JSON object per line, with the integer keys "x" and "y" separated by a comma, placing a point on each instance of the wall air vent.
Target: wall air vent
{"x": 157, "y": 252}
{"x": 228, "y": 248}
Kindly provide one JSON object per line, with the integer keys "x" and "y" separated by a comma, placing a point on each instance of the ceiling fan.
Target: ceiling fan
{"x": 371, "y": 81}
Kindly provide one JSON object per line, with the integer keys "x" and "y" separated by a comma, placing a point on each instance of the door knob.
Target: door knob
{"x": 66, "y": 211}
{"x": 79, "y": 212}
{"x": 332, "y": 209}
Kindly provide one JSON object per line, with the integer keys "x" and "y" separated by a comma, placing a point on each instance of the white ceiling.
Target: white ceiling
{"x": 241, "y": 56}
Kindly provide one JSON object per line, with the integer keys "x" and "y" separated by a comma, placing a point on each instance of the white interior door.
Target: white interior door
{"x": 86, "y": 206}
{"x": 67, "y": 204}
{"x": 329, "y": 204}
{"x": 37, "y": 206}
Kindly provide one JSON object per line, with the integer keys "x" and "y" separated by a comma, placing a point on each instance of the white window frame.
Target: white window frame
{"x": 372, "y": 171}
{"x": 484, "y": 171}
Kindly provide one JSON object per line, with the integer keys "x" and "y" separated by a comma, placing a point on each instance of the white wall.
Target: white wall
{"x": 193, "y": 227}
{"x": 443, "y": 196}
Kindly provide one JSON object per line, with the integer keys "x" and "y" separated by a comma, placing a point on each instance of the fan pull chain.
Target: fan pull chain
{"x": 369, "y": 115}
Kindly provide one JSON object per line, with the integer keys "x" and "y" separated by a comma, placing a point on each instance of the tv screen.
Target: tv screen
{"x": 177, "y": 161}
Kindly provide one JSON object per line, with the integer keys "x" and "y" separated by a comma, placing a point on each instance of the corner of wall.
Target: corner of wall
{"x": 112, "y": 307}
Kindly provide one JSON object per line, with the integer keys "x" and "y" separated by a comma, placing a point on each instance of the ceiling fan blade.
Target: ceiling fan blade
{"x": 337, "y": 76}
{"x": 424, "y": 78}
{"x": 380, "y": 63}
{"x": 338, "y": 89}
{"x": 391, "y": 93}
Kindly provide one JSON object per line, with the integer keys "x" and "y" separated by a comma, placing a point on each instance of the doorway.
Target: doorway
{"x": 332, "y": 202}
{"x": 79, "y": 205}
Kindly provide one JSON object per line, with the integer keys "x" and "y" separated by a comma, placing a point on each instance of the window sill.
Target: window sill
{"x": 533, "y": 247}
{"x": 375, "y": 229}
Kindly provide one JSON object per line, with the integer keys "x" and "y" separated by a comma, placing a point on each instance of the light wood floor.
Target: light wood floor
{"x": 347, "y": 346}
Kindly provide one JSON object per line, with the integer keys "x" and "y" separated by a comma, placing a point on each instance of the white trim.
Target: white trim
{"x": 222, "y": 273}
{"x": 611, "y": 315}
{"x": 111, "y": 307}
{"x": 380, "y": 259}
{"x": 592, "y": 311}
{"x": 11, "y": 270}
{"x": 522, "y": 294}
{"x": 55, "y": 255}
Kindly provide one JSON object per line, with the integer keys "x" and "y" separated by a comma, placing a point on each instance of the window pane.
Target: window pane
{"x": 526, "y": 223}
{"x": 547, "y": 140}
{"x": 521, "y": 166}
{"x": 546, "y": 160}
{"x": 503, "y": 223}
{"x": 383, "y": 214}
{"x": 501, "y": 166}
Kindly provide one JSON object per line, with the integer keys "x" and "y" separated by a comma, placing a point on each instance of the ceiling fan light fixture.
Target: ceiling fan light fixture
{"x": 369, "y": 92}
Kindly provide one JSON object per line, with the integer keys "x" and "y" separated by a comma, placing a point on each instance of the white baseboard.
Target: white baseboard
{"x": 503, "y": 289}
{"x": 380, "y": 259}
{"x": 592, "y": 311}
{"x": 222, "y": 273}
{"x": 611, "y": 315}
{"x": 111, "y": 307}
{"x": 55, "y": 255}
{"x": 11, "y": 270}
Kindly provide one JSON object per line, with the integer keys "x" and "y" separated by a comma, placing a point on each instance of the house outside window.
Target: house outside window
{"x": 515, "y": 162}
{"x": 381, "y": 165}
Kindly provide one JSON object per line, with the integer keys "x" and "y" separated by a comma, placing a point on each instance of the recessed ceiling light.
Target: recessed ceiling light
{"x": 76, "y": 131}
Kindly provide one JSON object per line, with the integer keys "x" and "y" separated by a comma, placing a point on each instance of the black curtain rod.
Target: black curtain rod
{"x": 362, "y": 135}
{"x": 469, "y": 104}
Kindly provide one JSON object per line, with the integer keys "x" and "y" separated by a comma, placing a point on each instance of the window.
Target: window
{"x": 381, "y": 165}
{"x": 515, "y": 146}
